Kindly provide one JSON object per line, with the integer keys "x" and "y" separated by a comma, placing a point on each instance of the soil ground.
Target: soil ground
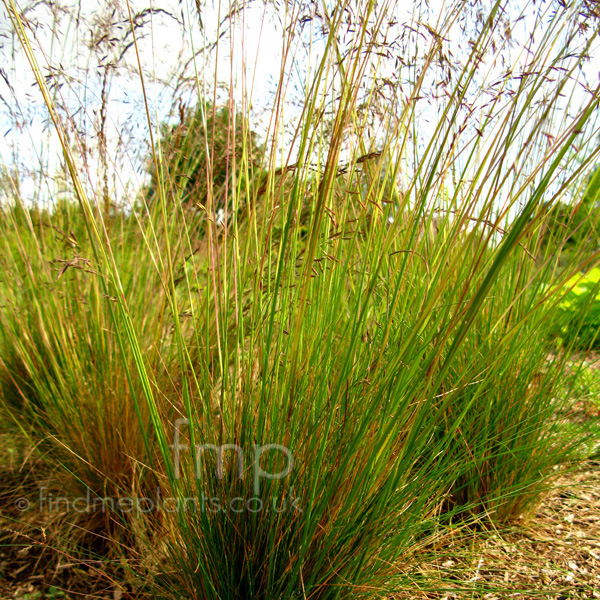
{"x": 555, "y": 554}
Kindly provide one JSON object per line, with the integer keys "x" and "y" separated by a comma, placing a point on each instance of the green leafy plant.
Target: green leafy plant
{"x": 578, "y": 318}
{"x": 52, "y": 593}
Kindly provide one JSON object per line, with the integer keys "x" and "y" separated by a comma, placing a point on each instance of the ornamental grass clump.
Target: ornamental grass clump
{"x": 59, "y": 386}
{"x": 359, "y": 355}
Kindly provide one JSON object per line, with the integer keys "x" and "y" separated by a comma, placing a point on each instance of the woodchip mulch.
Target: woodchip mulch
{"x": 554, "y": 554}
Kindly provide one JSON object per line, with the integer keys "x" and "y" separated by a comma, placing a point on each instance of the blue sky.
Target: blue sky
{"x": 248, "y": 63}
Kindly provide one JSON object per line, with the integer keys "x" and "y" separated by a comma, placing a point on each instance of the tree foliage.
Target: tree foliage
{"x": 205, "y": 158}
{"x": 575, "y": 225}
